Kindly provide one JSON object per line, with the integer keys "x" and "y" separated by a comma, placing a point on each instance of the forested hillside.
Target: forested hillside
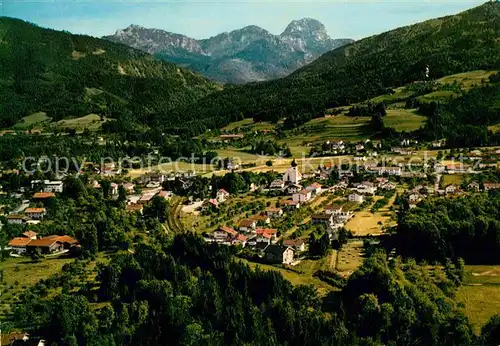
{"x": 68, "y": 75}
{"x": 188, "y": 292}
{"x": 356, "y": 72}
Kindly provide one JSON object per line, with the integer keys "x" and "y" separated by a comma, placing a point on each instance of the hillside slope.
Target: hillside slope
{"x": 240, "y": 56}
{"x": 68, "y": 75}
{"x": 367, "y": 68}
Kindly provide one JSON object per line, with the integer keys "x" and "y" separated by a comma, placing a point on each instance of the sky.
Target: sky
{"x": 203, "y": 18}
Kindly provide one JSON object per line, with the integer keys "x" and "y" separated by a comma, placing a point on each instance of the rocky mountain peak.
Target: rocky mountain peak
{"x": 305, "y": 28}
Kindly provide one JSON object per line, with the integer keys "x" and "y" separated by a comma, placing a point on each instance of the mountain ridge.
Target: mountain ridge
{"x": 300, "y": 43}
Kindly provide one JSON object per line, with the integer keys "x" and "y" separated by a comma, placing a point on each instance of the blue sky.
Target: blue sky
{"x": 202, "y": 19}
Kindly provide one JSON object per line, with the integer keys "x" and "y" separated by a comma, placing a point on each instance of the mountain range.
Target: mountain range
{"x": 246, "y": 55}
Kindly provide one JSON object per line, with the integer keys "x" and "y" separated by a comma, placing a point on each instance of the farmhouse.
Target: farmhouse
{"x": 210, "y": 204}
{"x": 44, "y": 195}
{"x": 36, "y": 213}
{"x": 450, "y": 189}
{"x": 491, "y": 186}
{"x": 333, "y": 209}
{"x": 267, "y": 234}
{"x": 315, "y": 188}
{"x": 51, "y": 244}
{"x": 474, "y": 186}
{"x": 289, "y": 204}
{"x": 367, "y": 187}
{"x": 262, "y": 218}
{"x": 385, "y": 170}
{"x": 302, "y": 196}
{"x": 277, "y": 184}
{"x": 224, "y": 234}
{"x": 30, "y": 234}
{"x": 133, "y": 208}
{"x": 48, "y": 186}
{"x": 279, "y": 254}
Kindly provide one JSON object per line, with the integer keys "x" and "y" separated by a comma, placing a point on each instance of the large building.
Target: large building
{"x": 292, "y": 175}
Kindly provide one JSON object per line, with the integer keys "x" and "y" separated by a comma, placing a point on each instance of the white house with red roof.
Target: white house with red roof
{"x": 315, "y": 188}
{"x": 224, "y": 234}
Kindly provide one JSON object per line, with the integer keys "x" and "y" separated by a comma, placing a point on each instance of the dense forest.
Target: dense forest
{"x": 185, "y": 291}
{"x": 466, "y": 227}
{"x": 68, "y": 75}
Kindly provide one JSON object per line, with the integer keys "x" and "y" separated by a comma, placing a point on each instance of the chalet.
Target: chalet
{"x": 354, "y": 197}
{"x": 274, "y": 212}
{"x": 491, "y": 186}
{"x": 474, "y": 186}
{"x": 292, "y": 175}
{"x": 222, "y": 195}
{"x": 224, "y": 234}
{"x": 146, "y": 198}
{"x": 18, "y": 245}
{"x": 247, "y": 225}
{"x": 36, "y": 213}
{"x": 240, "y": 239}
{"x": 296, "y": 244}
{"x": 326, "y": 219}
{"x": 302, "y": 196}
{"x": 293, "y": 188}
{"x": 289, "y": 204}
{"x": 134, "y": 208}
{"x": 315, "y": 188}
{"x": 17, "y": 219}
{"x": 450, "y": 189}
{"x": 277, "y": 184}
{"x": 388, "y": 186}
{"x": 279, "y": 254}
{"x": 51, "y": 244}
{"x": 333, "y": 209}
{"x": 210, "y": 205}
{"x": 43, "y": 195}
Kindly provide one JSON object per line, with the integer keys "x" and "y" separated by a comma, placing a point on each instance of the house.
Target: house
{"x": 333, "y": 209}
{"x": 129, "y": 187}
{"x": 385, "y": 170}
{"x": 278, "y": 254}
{"x": 222, "y": 195}
{"x": 224, "y": 234}
{"x": 44, "y": 195}
{"x": 46, "y": 245}
{"x": 262, "y": 218}
{"x": 367, "y": 187}
{"x": 315, "y": 188}
{"x": 165, "y": 194}
{"x": 48, "y": 186}
{"x": 18, "y": 245}
{"x": 474, "y": 186}
{"x": 210, "y": 205}
{"x": 36, "y": 213}
{"x": 326, "y": 219}
{"x": 296, "y": 244}
{"x": 133, "y": 208}
{"x": 146, "y": 198}
{"x": 240, "y": 239}
{"x": 155, "y": 177}
{"x": 17, "y": 219}
{"x": 450, "y": 189}
{"x": 277, "y": 184}
{"x": 292, "y": 175}
{"x": 264, "y": 234}
{"x": 289, "y": 204}
{"x": 302, "y": 196}
{"x": 414, "y": 197}
{"x": 491, "y": 186}
{"x": 293, "y": 188}
{"x": 247, "y": 225}
{"x": 274, "y": 212}
{"x": 354, "y": 197}
{"x": 30, "y": 234}
{"x": 226, "y": 138}
{"x": 388, "y": 186}
{"x": 114, "y": 189}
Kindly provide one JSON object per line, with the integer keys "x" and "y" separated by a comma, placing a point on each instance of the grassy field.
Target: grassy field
{"x": 248, "y": 124}
{"x": 33, "y": 120}
{"x": 350, "y": 258}
{"x": 404, "y": 119}
{"x": 21, "y": 273}
{"x": 467, "y": 79}
{"x": 455, "y": 179}
{"x": 92, "y": 122}
{"x": 480, "y": 293}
